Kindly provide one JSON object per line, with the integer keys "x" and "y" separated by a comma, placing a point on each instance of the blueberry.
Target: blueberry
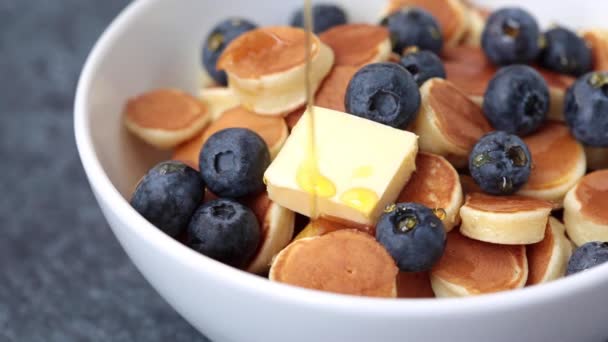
{"x": 413, "y": 235}
{"x": 168, "y": 195}
{"x": 565, "y": 52}
{"x": 385, "y": 93}
{"x": 233, "y": 161}
{"x": 586, "y": 109}
{"x": 423, "y": 65}
{"x": 511, "y": 36}
{"x": 413, "y": 26}
{"x": 226, "y": 231}
{"x": 516, "y": 100}
{"x": 586, "y": 256}
{"x": 325, "y": 16}
{"x": 500, "y": 163}
{"x": 219, "y": 38}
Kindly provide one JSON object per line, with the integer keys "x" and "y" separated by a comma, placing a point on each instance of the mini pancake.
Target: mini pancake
{"x": 435, "y": 184}
{"x": 272, "y": 129}
{"x": 452, "y": 15}
{"x": 449, "y": 123}
{"x": 414, "y": 285}
{"x": 548, "y": 259}
{"x": 558, "y": 163}
{"x": 598, "y": 41}
{"x": 331, "y": 93}
{"x": 219, "y": 100}
{"x": 164, "y": 118}
{"x": 482, "y": 10}
{"x": 469, "y": 267}
{"x": 468, "y": 68}
{"x": 292, "y": 118}
{"x": 276, "y": 224}
{"x": 324, "y": 226}
{"x": 558, "y": 85}
{"x": 345, "y": 261}
{"x": 358, "y": 44}
{"x": 468, "y": 185}
{"x": 477, "y": 23}
{"x": 266, "y": 68}
{"x": 597, "y": 157}
{"x": 586, "y": 209}
{"x": 508, "y": 220}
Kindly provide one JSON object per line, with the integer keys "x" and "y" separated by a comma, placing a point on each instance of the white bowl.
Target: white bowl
{"x": 156, "y": 43}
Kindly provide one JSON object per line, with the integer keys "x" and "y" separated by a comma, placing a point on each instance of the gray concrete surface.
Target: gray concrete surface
{"x": 63, "y": 276}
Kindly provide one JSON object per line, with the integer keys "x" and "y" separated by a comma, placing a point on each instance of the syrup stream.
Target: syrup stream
{"x": 311, "y": 155}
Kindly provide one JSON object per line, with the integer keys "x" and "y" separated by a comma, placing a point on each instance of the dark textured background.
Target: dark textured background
{"x": 63, "y": 275}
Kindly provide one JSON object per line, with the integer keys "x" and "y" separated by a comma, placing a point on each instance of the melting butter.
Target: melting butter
{"x": 310, "y": 179}
{"x": 361, "y": 199}
{"x": 363, "y": 172}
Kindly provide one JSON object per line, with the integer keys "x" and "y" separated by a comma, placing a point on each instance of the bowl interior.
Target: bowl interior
{"x": 156, "y": 43}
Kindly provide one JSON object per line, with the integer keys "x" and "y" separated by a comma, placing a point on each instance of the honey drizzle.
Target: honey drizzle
{"x": 311, "y": 155}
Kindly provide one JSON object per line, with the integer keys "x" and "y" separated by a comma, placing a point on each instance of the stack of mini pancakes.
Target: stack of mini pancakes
{"x": 493, "y": 244}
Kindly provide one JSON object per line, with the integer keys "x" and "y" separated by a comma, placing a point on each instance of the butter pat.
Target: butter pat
{"x": 361, "y": 167}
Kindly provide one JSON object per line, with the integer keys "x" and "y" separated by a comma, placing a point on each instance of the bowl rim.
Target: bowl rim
{"x": 262, "y": 287}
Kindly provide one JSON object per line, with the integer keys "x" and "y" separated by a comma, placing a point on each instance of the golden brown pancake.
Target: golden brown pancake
{"x": 267, "y": 68}
{"x": 436, "y": 185}
{"x": 271, "y": 128}
{"x": 504, "y": 204}
{"x": 259, "y": 204}
{"x": 592, "y": 192}
{"x": 265, "y": 51}
{"x": 451, "y": 14}
{"x": 276, "y": 228}
{"x": 449, "y": 123}
{"x": 465, "y": 55}
{"x": 558, "y": 163}
{"x": 470, "y": 70}
{"x": 358, "y": 44}
{"x": 165, "y": 109}
{"x": 597, "y": 157}
{"x": 324, "y": 226}
{"x": 470, "y": 267}
{"x": 548, "y": 259}
{"x": 165, "y": 117}
{"x": 472, "y": 6}
{"x": 292, "y": 118}
{"x": 586, "y": 209}
{"x": 509, "y": 220}
{"x": 477, "y": 23}
{"x": 331, "y": 93}
{"x": 598, "y": 40}
{"x": 462, "y": 121}
{"x": 414, "y": 285}
{"x": 468, "y": 185}
{"x": 477, "y": 20}
{"x": 345, "y": 261}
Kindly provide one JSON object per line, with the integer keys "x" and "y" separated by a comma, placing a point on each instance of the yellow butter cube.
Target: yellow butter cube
{"x": 361, "y": 167}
